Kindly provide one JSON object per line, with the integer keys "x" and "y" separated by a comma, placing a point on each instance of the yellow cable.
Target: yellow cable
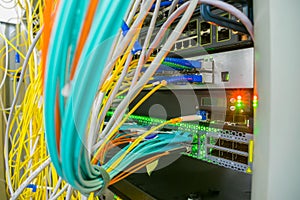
{"x": 127, "y": 116}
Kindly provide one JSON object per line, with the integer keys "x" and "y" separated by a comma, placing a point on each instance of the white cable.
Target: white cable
{"x": 114, "y": 93}
{"x": 56, "y": 187}
{"x": 128, "y": 16}
{"x": 117, "y": 116}
{"x": 14, "y": 102}
{"x": 60, "y": 192}
{"x": 126, "y": 40}
{"x": 145, "y": 45}
{"x": 36, "y": 172}
{"x": 30, "y": 31}
{"x": 172, "y": 7}
{"x": 69, "y": 193}
{"x": 93, "y": 126}
{"x": 6, "y": 60}
{"x": 132, "y": 12}
{"x": 83, "y": 197}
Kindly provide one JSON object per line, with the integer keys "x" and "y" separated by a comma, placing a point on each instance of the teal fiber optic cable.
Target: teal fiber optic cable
{"x": 105, "y": 26}
{"x": 57, "y": 60}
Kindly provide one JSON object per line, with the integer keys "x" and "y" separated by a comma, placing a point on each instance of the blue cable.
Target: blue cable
{"x": 188, "y": 63}
{"x": 136, "y": 47}
{"x": 192, "y": 78}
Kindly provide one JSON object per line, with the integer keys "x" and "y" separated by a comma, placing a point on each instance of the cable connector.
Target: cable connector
{"x": 136, "y": 47}
{"x": 189, "y": 118}
{"x": 176, "y": 120}
{"x": 33, "y": 187}
{"x": 17, "y": 57}
{"x": 203, "y": 114}
{"x": 156, "y": 83}
{"x": 164, "y": 82}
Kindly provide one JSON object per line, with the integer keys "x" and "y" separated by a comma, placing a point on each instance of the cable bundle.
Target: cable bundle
{"x": 88, "y": 63}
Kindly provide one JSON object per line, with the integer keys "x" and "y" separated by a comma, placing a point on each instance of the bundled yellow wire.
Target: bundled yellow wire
{"x": 28, "y": 148}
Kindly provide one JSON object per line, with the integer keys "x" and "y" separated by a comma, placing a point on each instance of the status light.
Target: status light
{"x": 255, "y": 101}
{"x": 239, "y": 97}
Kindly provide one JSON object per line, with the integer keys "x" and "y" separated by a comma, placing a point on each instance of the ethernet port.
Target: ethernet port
{"x": 185, "y": 31}
{"x": 205, "y": 39}
{"x": 205, "y": 33}
{"x": 179, "y": 45}
{"x": 223, "y": 34}
{"x": 194, "y": 42}
{"x": 192, "y": 27}
{"x": 204, "y": 26}
{"x": 186, "y": 44}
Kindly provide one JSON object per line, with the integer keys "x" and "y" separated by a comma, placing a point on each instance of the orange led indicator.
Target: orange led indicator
{"x": 239, "y": 97}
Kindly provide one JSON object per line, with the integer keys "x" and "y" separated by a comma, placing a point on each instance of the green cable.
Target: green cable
{"x": 174, "y": 65}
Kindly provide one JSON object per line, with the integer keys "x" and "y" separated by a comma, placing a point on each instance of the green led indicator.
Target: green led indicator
{"x": 227, "y": 77}
{"x": 239, "y": 105}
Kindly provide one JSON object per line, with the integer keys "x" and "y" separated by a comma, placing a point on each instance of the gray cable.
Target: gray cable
{"x": 133, "y": 11}
{"x": 145, "y": 45}
{"x": 172, "y": 7}
{"x": 124, "y": 43}
{"x": 117, "y": 117}
{"x": 60, "y": 192}
{"x": 115, "y": 90}
{"x": 10, "y": 116}
{"x": 56, "y": 187}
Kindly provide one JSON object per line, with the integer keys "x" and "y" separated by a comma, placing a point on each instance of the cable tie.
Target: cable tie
{"x": 66, "y": 90}
{"x": 106, "y": 180}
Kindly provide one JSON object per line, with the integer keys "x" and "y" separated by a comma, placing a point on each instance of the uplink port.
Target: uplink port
{"x": 223, "y": 34}
{"x": 205, "y": 39}
{"x": 204, "y": 26}
{"x": 240, "y": 159}
{"x": 205, "y": 33}
{"x": 225, "y": 143}
{"x": 229, "y": 156}
{"x": 185, "y": 30}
